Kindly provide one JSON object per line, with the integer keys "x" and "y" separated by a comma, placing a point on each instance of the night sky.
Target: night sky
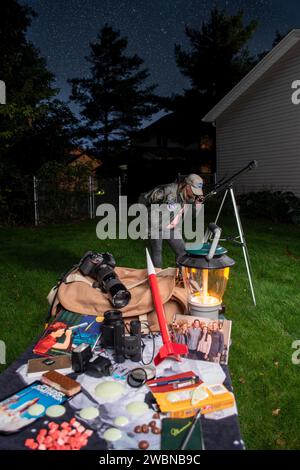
{"x": 64, "y": 28}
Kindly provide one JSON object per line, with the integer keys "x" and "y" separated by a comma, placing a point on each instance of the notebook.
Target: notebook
{"x": 174, "y": 431}
{"x": 37, "y": 367}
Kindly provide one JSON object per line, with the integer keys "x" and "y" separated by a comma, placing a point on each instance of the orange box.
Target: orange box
{"x": 181, "y": 403}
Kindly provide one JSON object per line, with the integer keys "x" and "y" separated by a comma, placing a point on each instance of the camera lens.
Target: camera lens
{"x": 110, "y": 318}
{"x": 121, "y": 298}
{"x": 118, "y": 293}
{"x": 137, "y": 377}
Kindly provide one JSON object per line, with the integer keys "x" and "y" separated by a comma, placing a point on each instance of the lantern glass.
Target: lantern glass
{"x": 205, "y": 287}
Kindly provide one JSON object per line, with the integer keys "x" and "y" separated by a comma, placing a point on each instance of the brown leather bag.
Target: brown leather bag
{"x": 77, "y": 295}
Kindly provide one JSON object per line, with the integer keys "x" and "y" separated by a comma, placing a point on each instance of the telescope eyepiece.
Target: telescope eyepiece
{"x": 253, "y": 164}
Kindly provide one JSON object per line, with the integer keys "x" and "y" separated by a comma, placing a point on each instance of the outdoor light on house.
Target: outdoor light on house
{"x": 205, "y": 274}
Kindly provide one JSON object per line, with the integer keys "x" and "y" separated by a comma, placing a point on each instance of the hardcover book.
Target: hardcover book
{"x": 37, "y": 367}
{"x": 27, "y": 405}
{"x": 66, "y": 331}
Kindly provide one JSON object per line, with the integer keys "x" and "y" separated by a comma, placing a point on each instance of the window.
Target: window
{"x": 206, "y": 143}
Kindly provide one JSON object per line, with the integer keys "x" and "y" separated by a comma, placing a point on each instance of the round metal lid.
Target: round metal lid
{"x": 203, "y": 250}
{"x": 197, "y": 258}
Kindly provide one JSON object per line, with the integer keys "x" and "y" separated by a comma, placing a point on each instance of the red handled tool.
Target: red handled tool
{"x": 168, "y": 349}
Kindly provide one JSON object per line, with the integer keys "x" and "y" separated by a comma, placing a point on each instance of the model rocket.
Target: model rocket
{"x": 168, "y": 349}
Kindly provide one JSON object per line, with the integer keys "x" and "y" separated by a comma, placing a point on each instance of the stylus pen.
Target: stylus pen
{"x": 191, "y": 430}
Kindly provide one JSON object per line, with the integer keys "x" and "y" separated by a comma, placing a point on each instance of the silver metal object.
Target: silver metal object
{"x": 240, "y": 239}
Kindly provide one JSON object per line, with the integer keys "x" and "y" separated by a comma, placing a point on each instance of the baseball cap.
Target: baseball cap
{"x": 196, "y": 183}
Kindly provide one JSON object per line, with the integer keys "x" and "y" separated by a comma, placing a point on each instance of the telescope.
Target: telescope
{"x": 75, "y": 327}
{"x": 227, "y": 183}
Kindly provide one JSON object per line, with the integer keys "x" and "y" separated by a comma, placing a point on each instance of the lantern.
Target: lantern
{"x": 205, "y": 275}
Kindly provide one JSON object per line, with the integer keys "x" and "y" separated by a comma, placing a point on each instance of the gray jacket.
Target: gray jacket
{"x": 193, "y": 338}
{"x": 169, "y": 194}
{"x": 217, "y": 343}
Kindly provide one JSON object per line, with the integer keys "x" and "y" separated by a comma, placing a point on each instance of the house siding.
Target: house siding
{"x": 263, "y": 124}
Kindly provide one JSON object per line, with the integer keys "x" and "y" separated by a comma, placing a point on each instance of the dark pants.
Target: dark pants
{"x": 192, "y": 354}
{"x": 176, "y": 244}
{"x": 201, "y": 356}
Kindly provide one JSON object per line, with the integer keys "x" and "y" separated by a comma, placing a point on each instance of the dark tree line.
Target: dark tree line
{"x": 116, "y": 97}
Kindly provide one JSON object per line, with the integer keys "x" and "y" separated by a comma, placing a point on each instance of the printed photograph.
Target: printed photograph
{"x": 207, "y": 340}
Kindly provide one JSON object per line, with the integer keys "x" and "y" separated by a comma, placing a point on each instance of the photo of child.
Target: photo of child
{"x": 56, "y": 330}
{"x": 67, "y": 331}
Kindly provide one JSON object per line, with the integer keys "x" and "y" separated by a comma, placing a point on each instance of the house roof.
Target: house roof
{"x": 169, "y": 153}
{"x": 175, "y": 126}
{"x": 258, "y": 71}
{"x": 77, "y": 153}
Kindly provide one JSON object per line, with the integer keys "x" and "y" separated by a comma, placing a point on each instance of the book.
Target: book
{"x": 185, "y": 403}
{"x": 37, "y": 367}
{"x": 66, "y": 331}
{"x": 174, "y": 432}
{"x": 27, "y": 405}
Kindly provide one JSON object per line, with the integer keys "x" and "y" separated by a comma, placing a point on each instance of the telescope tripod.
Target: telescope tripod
{"x": 240, "y": 238}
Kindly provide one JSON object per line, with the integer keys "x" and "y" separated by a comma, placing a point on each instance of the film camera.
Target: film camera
{"x": 81, "y": 362}
{"x": 126, "y": 346}
{"x": 100, "y": 266}
{"x": 81, "y": 356}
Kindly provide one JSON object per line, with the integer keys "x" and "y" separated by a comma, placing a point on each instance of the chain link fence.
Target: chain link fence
{"x": 72, "y": 198}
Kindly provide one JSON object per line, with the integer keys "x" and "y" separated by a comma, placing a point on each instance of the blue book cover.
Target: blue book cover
{"x": 19, "y": 410}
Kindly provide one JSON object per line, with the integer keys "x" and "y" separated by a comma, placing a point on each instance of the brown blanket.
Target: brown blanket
{"x": 78, "y": 295}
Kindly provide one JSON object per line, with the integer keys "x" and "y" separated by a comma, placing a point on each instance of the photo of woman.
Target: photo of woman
{"x": 181, "y": 336}
{"x": 204, "y": 344}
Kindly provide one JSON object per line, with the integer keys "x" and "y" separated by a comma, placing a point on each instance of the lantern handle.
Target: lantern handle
{"x": 216, "y": 231}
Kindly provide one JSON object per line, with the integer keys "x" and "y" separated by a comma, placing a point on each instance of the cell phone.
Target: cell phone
{"x": 48, "y": 361}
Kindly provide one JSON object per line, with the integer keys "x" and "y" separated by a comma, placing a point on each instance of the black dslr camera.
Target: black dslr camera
{"x": 114, "y": 337}
{"x": 100, "y": 266}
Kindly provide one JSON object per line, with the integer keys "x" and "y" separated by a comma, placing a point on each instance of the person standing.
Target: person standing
{"x": 217, "y": 344}
{"x": 173, "y": 198}
{"x": 193, "y": 339}
{"x": 204, "y": 344}
{"x": 182, "y": 334}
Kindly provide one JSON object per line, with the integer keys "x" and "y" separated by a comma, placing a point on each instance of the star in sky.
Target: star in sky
{"x": 64, "y": 29}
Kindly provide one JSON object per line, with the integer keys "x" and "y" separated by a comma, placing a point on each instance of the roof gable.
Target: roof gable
{"x": 258, "y": 71}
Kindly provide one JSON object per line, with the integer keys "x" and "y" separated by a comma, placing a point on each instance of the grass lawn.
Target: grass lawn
{"x": 264, "y": 378}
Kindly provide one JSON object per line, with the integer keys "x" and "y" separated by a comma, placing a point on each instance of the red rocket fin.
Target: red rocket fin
{"x": 172, "y": 351}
